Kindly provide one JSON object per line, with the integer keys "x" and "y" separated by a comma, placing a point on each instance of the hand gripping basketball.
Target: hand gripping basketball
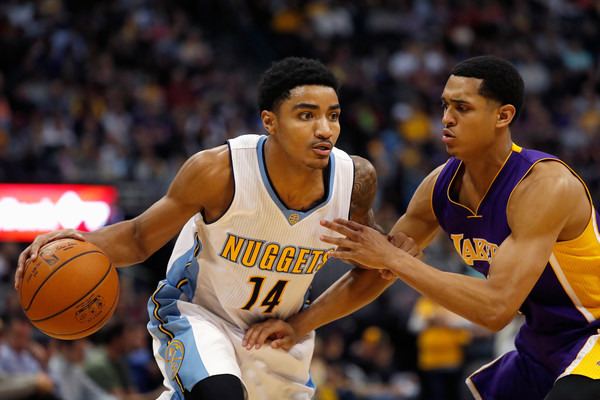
{"x": 70, "y": 290}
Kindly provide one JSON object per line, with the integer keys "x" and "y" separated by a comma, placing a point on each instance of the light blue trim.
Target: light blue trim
{"x": 311, "y": 383}
{"x": 167, "y": 324}
{"x": 186, "y": 268}
{"x": 284, "y": 210}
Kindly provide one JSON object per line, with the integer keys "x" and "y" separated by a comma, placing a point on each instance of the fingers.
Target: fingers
{"x": 340, "y": 226}
{"x": 387, "y": 274}
{"x": 420, "y": 256}
{"x": 397, "y": 239}
{"x": 32, "y": 251}
{"x": 251, "y": 338}
{"x": 259, "y": 333}
{"x": 21, "y": 267}
{"x": 340, "y": 252}
{"x": 278, "y": 333}
{"x": 408, "y": 244}
{"x": 336, "y": 241}
{"x": 350, "y": 229}
{"x": 354, "y": 226}
{"x": 284, "y": 343}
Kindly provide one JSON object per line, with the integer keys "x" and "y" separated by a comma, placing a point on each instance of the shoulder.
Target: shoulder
{"x": 363, "y": 167}
{"x": 208, "y": 164}
{"x": 204, "y": 178}
{"x": 365, "y": 178}
{"x": 555, "y": 182}
{"x": 203, "y": 158}
{"x": 363, "y": 191}
{"x": 549, "y": 176}
{"x": 551, "y": 191}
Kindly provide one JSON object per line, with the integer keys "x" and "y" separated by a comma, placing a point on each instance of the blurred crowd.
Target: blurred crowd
{"x": 123, "y": 91}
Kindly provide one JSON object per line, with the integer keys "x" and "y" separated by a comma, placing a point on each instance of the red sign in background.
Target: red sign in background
{"x": 28, "y": 210}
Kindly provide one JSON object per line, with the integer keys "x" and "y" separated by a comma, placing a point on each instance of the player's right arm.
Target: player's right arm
{"x": 203, "y": 184}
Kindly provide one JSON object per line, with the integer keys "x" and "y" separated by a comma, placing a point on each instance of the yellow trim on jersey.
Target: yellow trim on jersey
{"x": 433, "y": 189}
{"x": 586, "y": 362}
{"x": 576, "y": 263}
{"x": 476, "y": 212}
{"x": 516, "y": 148}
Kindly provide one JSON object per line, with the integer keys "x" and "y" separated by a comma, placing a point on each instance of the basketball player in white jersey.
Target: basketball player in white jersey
{"x": 248, "y": 214}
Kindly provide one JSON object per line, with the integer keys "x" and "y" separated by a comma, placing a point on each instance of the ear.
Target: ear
{"x": 269, "y": 120}
{"x": 506, "y": 113}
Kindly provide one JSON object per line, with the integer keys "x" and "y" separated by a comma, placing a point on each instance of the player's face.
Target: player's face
{"x": 469, "y": 118}
{"x": 307, "y": 125}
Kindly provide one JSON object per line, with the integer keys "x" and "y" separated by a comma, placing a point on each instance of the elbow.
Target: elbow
{"x": 140, "y": 255}
{"x": 134, "y": 256}
{"x": 126, "y": 254}
{"x": 140, "y": 251}
{"x": 499, "y": 306}
{"x": 143, "y": 253}
{"x": 496, "y": 324}
{"x": 497, "y": 318}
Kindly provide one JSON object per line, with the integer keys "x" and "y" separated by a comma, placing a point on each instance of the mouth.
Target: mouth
{"x": 323, "y": 148}
{"x": 447, "y": 136}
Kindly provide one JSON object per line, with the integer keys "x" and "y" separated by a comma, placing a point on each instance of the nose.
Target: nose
{"x": 447, "y": 118}
{"x": 323, "y": 128}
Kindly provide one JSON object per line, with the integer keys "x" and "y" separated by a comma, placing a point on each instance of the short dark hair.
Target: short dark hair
{"x": 501, "y": 80}
{"x": 284, "y": 75}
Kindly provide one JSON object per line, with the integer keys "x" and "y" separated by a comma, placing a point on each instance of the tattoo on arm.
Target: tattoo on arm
{"x": 363, "y": 192}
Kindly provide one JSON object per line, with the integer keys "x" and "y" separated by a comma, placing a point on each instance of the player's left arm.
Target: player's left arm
{"x": 350, "y": 292}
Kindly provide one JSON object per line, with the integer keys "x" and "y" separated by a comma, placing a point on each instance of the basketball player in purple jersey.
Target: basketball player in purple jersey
{"x": 522, "y": 218}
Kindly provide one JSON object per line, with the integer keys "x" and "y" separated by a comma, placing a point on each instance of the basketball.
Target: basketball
{"x": 70, "y": 290}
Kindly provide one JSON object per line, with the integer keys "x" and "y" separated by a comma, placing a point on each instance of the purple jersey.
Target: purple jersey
{"x": 563, "y": 308}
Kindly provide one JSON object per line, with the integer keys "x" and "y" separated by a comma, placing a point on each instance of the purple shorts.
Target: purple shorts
{"x": 510, "y": 377}
{"x": 517, "y": 375}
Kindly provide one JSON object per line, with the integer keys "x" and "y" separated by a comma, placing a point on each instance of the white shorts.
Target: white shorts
{"x": 191, "y": 344}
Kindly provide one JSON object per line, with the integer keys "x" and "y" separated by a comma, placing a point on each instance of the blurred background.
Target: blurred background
{"x": 118, "y": 93}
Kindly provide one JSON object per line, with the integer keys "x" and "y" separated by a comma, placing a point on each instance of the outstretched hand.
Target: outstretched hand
{"x": 32, "y": 251}
{"x": 367, "y": 246}
{"x": 276, "y": 332}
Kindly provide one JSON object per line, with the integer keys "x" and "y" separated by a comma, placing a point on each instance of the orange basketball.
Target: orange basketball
{"x": 70, "y": 290}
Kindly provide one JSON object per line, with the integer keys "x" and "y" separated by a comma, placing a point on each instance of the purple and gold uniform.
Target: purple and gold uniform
{"x": 561, "y": 331}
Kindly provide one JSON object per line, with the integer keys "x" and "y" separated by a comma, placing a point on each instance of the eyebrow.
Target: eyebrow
{"x": 459, "y": 101}
{"x": 314, "y": 106}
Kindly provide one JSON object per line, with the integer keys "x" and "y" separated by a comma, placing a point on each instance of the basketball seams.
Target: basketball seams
{"x": 68, "y": 336}
{"x": 57, "y": 269}
{"x": 82, "y": 297}
{"x": 73, "y": 302}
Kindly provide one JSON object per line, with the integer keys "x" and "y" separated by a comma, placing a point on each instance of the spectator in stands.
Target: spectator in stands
{"x": 23, "y": 373}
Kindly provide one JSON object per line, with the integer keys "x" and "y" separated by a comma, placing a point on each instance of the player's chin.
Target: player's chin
{"x": 318, "y": 163}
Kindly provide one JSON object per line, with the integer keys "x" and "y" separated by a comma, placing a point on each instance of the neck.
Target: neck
{"x": 483, "y": 167}
{"x": 298, "y": 186}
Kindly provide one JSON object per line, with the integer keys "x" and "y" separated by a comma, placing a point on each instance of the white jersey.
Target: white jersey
{"x": 259, "y": 259}
{"x": 255, "y": 262}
